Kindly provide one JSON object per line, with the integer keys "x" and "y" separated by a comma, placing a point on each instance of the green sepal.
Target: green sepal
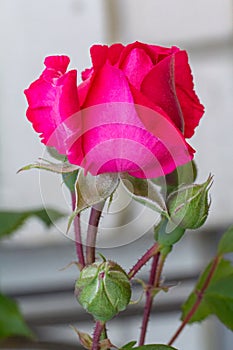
{"x": 55, "y": 154}
{"x": 145, "y": 192}
{"x": 70, "y": 180}
{"x": 91, "y": 190}
{"x": 59, "y": 168}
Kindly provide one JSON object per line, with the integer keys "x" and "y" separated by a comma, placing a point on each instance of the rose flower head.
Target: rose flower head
{"x": 132, "y": 112}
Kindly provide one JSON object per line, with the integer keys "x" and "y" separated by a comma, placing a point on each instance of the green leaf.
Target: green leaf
{"x": 10, "y": 221}
{"x": 60, "y": 168}
{"x": 219, "y": 297}
{"x": 47, "y": 216}
{"x": 144, "y": 192}
{"x": 129, "y": 345}
{"x": 11, "y": 320}
{"x": 223, "y": 270}
{"x": 154, "y": 347}
{"x": 226, "y": 242}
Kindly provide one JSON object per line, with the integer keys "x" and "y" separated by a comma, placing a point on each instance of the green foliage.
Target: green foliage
{"x": 10, "y": 221}
{"x": 129, "y": 345}
{"x": 217, "y": 298}
{"x": 220, "y": 298}
{"x": 144, "y": 192}
{"x": 11, "y": 320}
{"x": 149, "y": 347}
{"x": 226, "y": 243}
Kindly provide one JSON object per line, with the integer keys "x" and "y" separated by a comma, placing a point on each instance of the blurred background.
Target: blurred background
{"x": 30, "y": 261}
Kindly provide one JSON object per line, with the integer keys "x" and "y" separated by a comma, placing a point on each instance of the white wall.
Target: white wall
{"x": 30, "y": 30}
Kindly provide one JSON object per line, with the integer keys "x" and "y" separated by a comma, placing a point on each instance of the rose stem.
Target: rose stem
{"x": 154, "y": 280}
{"x": 99, "y": 326}
{"x": 143, "y": 260}
{"x": 77, "y": 231}
{"x": 149, "y": 299}
{"x": 92, "y": 231}
{"x": 199, "y": 295}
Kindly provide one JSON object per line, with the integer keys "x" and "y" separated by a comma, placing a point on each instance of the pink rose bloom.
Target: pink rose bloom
{"x": 131, "y": 113}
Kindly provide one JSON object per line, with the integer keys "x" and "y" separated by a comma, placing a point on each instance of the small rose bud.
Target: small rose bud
{"x": 189, "y": 205}
{"x": 103, "y": 289}
{"x": 167, "y": 235}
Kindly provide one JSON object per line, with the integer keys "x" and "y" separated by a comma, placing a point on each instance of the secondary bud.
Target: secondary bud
{"x": 189, "y": 205}
{"x": 103, "y": 289}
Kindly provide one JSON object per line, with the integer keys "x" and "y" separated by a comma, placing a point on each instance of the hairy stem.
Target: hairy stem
{"x": 149, "y": 299}
{"x": 92, "y": 231}
{"x": 199, "y": 295}
{"x": 78, "y": 237}
{"x": 99, "y": 327}
{"x": 143, "y": 260}
{"x": 159, "y": 270}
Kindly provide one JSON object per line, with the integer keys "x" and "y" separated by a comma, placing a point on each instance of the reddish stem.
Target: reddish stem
{"x": 92, "y": 231}
{"x": 149, "y": 299}
{"x": 99, "y": 326}
{"x": 78, "y": 237}
{"x": 143, "y": 260}
{"x": 199, "y": 295}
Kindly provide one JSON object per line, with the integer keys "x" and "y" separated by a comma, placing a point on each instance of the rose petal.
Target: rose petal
{"x": 125, "y": 145}
{"x": 99, "y": 54}
{"x": 191, "y": 107}
{"x": 160, "y": 52}
{"x": 136, "y": 66}
{"x": 159, "y": 87}
{"x": 57, "y": 63}
{"x": 114, "y": 53}
{"x": 156, "y": 53}
{"x": 169, "y": 85}
{"x": 52, "y": 99}
{"x": 109, "y": 85}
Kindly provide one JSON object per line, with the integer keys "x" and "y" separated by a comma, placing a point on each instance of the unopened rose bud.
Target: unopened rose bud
{"x": 103, "y": 289}
{"x": 189, "y": 205}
